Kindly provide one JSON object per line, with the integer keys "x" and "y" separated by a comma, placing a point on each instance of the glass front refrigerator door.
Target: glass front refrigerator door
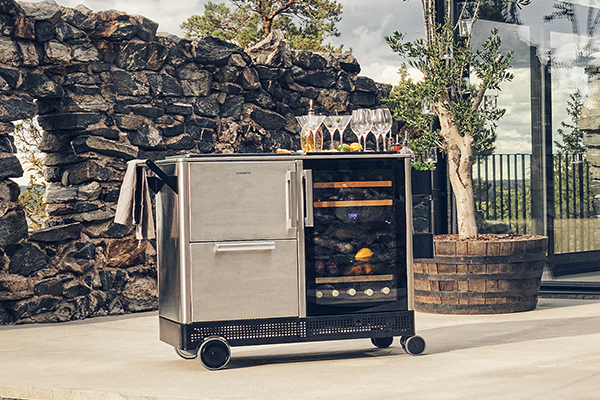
{"x": 355, "y": 242}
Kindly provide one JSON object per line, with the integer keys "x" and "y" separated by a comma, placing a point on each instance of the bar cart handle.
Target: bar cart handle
{"x": 309, "y": 218}
{"x": 292, "y": 200}
{"x": 170, "y": 181}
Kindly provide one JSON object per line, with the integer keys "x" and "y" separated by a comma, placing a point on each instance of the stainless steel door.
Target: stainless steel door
{"x": 240, "y": 200}
{"x": 244, "y": 280}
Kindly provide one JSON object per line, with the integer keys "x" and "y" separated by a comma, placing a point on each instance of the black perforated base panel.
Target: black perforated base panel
{"x": 288, "y": 330}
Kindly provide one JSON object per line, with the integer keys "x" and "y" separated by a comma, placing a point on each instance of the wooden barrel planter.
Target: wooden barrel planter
{"x": 480, "y": 276}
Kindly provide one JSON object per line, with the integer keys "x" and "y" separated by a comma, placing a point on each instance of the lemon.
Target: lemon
{"x": 355, "y": 147}
{"x": 363, "y": 254}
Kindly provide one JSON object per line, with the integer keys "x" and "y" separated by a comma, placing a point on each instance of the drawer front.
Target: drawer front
{"x": 244, "y": 280}
{"x": 242, "y": 200}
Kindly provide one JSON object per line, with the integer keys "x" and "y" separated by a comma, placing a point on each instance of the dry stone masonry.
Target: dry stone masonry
{"x": 107, "y": 89}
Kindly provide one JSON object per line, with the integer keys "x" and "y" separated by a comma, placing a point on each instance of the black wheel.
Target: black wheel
{"x": 382, "y": 342}
{"x": 214, "y": 353}
{"x": 186, "y": 354}
{"x": 414, "y": 345}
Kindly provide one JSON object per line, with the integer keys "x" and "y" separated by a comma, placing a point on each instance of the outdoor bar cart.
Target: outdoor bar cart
{"x": 279, "y": 248}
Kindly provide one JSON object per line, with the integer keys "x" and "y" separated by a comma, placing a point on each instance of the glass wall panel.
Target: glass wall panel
{"x": 541, "y": 178}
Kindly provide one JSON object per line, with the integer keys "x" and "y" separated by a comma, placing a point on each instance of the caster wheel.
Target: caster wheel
{"x": 382, "y": 343}
{"x": 214, "y": 353}
{"x": 414, "y": 345}
{"x": 186, "y": 354}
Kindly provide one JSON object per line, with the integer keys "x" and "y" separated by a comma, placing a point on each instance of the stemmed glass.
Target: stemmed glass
{"x": 334, "y": 122}
{"x": 378, "y": 127}
{"x": 387, "y": 117}
{"x": 331, "y": 122}
{"x": 343, "y": 124}
{"x": 361, "y": 124}
{"x": 309, "y": 125}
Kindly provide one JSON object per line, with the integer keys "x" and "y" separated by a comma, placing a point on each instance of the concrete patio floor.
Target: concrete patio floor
{"x": 550, "y": 353}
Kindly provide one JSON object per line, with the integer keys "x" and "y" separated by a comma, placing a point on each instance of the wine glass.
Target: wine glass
{"x": 361, "y": 124}
{"x": 378, "y": 125}
{"x": 387, "y": 117}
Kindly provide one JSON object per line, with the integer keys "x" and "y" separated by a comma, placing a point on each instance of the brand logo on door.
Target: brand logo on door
{"x": 243, "y": 173}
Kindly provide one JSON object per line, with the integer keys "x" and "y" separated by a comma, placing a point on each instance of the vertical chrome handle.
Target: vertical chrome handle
{"x": 292, "y": 200}
{"x": 309, "y": 218}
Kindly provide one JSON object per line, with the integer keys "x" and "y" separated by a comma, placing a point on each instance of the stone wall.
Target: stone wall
{"x": 108, "y": 89}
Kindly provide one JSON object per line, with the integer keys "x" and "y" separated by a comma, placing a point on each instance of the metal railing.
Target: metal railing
{"x": 502, "y": 189}
{"x": 502, "y": 186}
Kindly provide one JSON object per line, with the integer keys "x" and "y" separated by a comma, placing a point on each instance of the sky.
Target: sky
{"x": 362, "y": 28}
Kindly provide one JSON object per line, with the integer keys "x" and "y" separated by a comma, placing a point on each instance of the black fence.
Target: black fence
{"x": 502, "y": 186}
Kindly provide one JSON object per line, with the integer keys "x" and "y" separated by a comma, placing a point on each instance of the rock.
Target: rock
{"x": 32, "y": 306}
{"x": 227, "y": 73}
{"x": 42, "y": 10}
{"x": 14, "y": 287}
{"x": 129, "y": 122}
{"x": 206, "y": 107}
{"x": 10, "y": 167}
{"x": 140, "y": 295}
{"x": 57, "y": 233}
{"x": 91, "y": 170}
{"x": 113, "y": 25}
{"x": 164, "y": 85}
{"x": 146, "y": 137}
{"x": 146, "y": 28}
{"x": 7, "y": 144}
{"x": 249, "y": 79}
{"x": 56, "y": 193}
{"x": 212, "y": 50}
{"x": 10, "y": 7}
{"x": 232, "y": 107}
{"x": 16, "y": 108}
{"x": 86, "y": 53}
{"x": 13, "y": 227}
{"x": 38, "y": 85}
{"x": 52, "y": 287}
{"x": 272, "y": 51}
{"x": 29, "y": 53}
{"x": 9, "y": 191}
{"x": 61, "y": 122}
{"x": 127, "y": 84}
{"x": 268, "y": 119}
{"x": 11, "y": 75}
{"x": 348, "y": 62}
{"x": 54, "y": 209}
{"x": 363, "y": 99}
{"x": 75, "y": 288}
{"x": 26, "y": 258}
{"x": 366, "y": 84}
{"x": 136, "y": 55}
{"x": 122, "y": 253}
{"x": 75, "y": 16}
{"x": 82, "y": 144}
{"x": 261, "y": 98}
{"x": 320, "y": 79}
{"x": 9, "y": 52}
{"x": 57, "y": 52}
{"x": 308, "y": 60}
{"x": 181, "y": 142}
{"x": 180, "y": 109}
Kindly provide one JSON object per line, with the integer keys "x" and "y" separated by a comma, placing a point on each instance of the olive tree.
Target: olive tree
{"x": 444, "y": 59}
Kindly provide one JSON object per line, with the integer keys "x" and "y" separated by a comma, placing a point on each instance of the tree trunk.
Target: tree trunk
{"x": 460, "y": 160}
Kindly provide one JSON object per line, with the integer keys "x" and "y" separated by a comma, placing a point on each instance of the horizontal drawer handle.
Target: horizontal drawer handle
{"x": 245, "y": 246}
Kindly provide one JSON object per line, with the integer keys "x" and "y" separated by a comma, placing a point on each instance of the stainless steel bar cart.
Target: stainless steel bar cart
{"x": 279, "y": 248}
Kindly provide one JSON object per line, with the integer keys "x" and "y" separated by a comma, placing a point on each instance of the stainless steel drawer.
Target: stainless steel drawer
{"x": 242, "y": 200}
{"x": 244, "y": 280}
